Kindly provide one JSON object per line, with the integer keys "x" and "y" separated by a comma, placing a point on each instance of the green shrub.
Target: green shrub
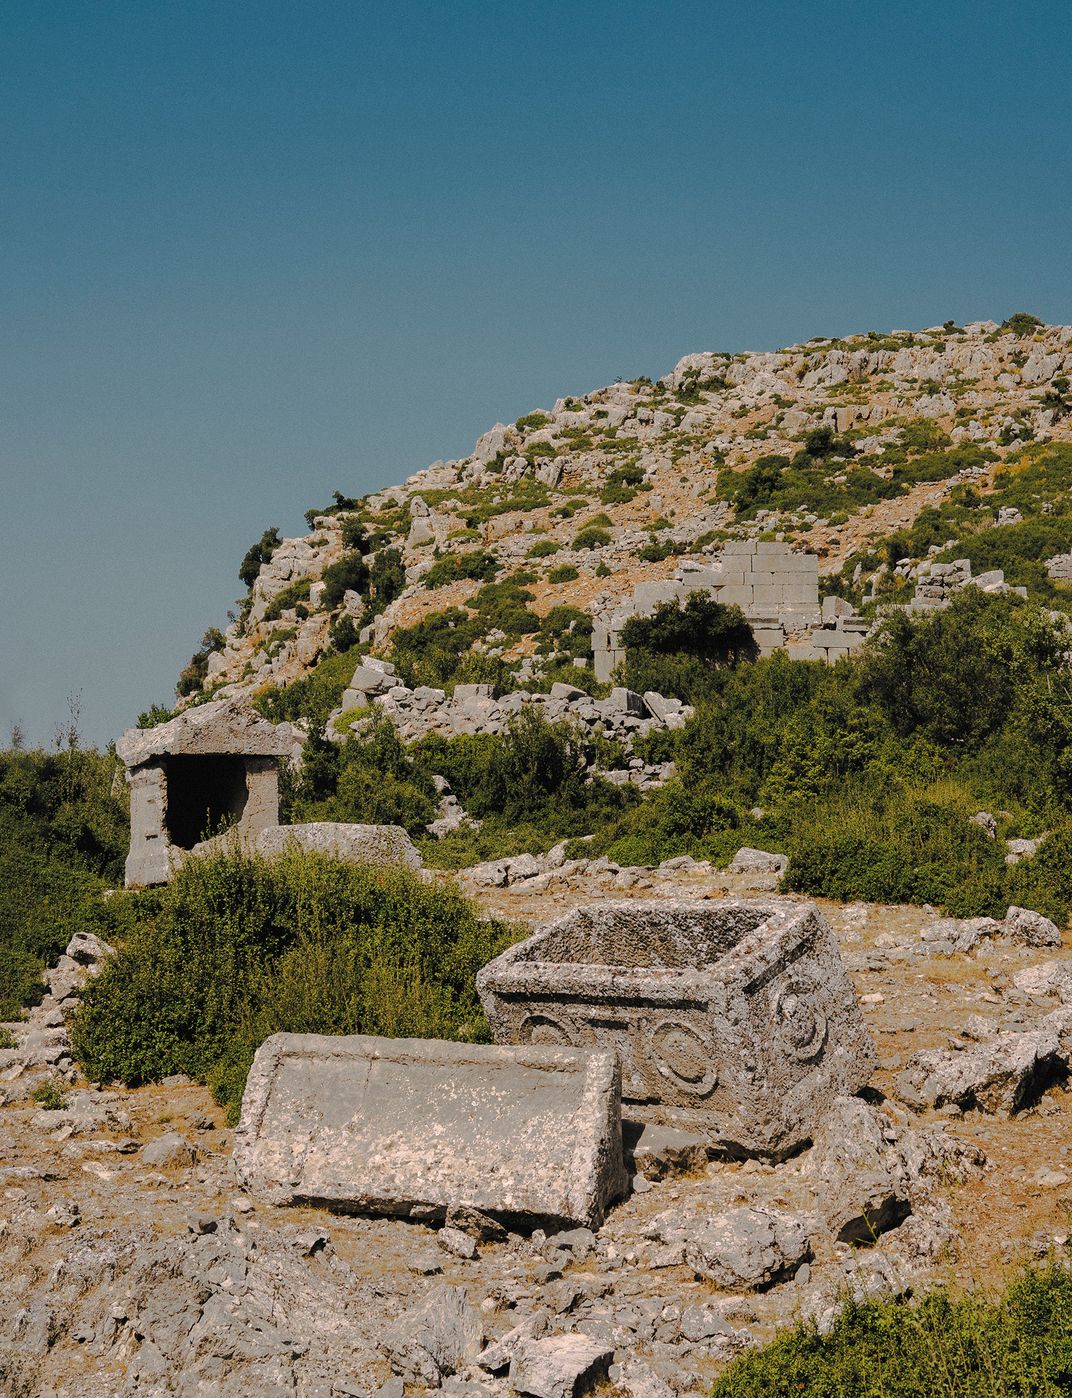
{"x": 504, "y": 606}
{"x": 928, "y": 678}
{"x": 675, "y": 649}
{"x": 965, "y": 1346}
{"x": 242, "y": 948}
{"x": 430, "y": 651}
{"x": 349, "y": 574}
{"x": 387, "y": 580}
{"x": 292, "y": 594}
{"x": 543, "y": 548}
{"x": 1022, "y": 323}
{"x": 592, "y": 537}
{"x": 535, "y": 772}
{"x": 565, "y": 572}
{"x": 193, "y": 675}
{"x": 258, "y": 553}
{"x": 531, "y": 422}
{"x": 63, "y": 837}
{"x": 369, "y": 779}
{"x": 454, "y": 567}
{"x": 314, "y": 696}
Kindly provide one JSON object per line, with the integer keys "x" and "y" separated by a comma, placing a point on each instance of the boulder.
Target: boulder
{"x": 435, "y": 1339}
{"x": 1031, "y": 929}
{"x": 758, "y": 861}
{"x": 397, "y": 1125}
{"x": 859, "y": 1175}
{"x": 558, "y": 1366}
{"x": 1001, "y": 1074}
{"x": 739, "y": 1249}
{"x": 168, "y": 1152}
{"x": 354, "y": 844}
{"x": 626, "y": 702}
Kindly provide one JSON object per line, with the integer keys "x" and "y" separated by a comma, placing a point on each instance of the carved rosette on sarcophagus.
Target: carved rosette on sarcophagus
{"x": 732, "y": 1019}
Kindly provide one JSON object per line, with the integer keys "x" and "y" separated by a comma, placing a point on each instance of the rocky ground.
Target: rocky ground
{"x": 135, "y": 1266}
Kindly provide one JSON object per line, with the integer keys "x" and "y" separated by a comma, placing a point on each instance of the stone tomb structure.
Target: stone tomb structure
{"x": 734, "y": 1020}
{"x": 775, "y": 586}
{"x": 418, "y": 1126}
{"x": 213, "y": 767}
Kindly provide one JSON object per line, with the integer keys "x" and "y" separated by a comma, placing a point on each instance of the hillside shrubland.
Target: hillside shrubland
{"x": 63, "y": 839}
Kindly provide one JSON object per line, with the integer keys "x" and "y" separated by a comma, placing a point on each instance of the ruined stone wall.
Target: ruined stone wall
{"x": 775, "y": 586}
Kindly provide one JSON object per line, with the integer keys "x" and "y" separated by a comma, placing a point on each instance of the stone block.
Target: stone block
{"x": 800, "y": 563}
{"x": 648, "y": 595}
{"x": 369, "y": 680}
{"x": 529, "y": 1134}
{"x": 626, "y": 701}
{"x": 766, "y": 595}
{"x": 735, "y": 596}
{"x": 734, "y": 1019}
{"x": 465, "y": 692}
{"x": 354, "y": 844}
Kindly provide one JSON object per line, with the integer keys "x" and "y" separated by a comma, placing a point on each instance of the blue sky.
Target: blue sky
{"x": 254, "y": 253}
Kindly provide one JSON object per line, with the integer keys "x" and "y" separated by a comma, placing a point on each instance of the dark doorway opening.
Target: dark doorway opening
{"x": 204, "y": 796}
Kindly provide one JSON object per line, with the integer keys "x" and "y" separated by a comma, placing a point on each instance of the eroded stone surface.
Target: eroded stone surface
{"x": 356, "y": 844}
{"x": 397, "y": 1125}
{"x": 730, "y": 1017}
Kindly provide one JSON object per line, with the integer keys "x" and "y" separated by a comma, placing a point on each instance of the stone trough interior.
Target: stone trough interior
{"x": 667, "y": 938}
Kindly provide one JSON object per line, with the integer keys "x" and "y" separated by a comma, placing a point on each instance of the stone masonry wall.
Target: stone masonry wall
{"x": 775, "y": 586}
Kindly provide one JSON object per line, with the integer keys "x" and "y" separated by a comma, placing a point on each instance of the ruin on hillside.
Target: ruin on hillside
{"x": 212, "y": 768}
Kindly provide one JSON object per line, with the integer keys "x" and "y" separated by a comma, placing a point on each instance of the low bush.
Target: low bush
{"x": 258, "y": 553}
{"x": 967, "y": 1346}
{"x": 349, "y": 574}
{"x": 456, "y": 567}
{"x": 543, "y": 548}
{"x": 314, "y": 696}
{"x": 430, "y": 652}
{"x": 291, "y": 596}
{"x": 240, "y": 948}
{"x": 592, "y": 537}
{"x": 63, "y": 838}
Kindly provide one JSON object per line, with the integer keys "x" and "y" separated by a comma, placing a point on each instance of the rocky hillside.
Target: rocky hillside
{"x": 875, "y": 452}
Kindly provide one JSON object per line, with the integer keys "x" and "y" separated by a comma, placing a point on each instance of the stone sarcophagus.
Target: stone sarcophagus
{"x": 732, "y": 1019}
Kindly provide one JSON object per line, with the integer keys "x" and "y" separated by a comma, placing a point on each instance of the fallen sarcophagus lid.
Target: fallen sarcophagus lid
{"x": 733, "y": 1019}
{"x": 412, "y": 1126}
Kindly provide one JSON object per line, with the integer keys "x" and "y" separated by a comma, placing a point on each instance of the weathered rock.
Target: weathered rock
{"x": 497, "y": 1357}
{"x": 355, "y": 844}
{"x": 859, "y": 1176}
{"x": 386, "y": 1125}
{"x": 748, "y": 1248}
{"x": 1031, "y": 929}
{"x": 558, "y": 1366}
{"x": 438, "y": 1337}
{"x": 1001, "y": 1074}
{"x": 734, "y": 1020}
{"x": 169, "y": 1151}
{"x": 758, "y": 861}
{"x": 1047, "y": 978}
